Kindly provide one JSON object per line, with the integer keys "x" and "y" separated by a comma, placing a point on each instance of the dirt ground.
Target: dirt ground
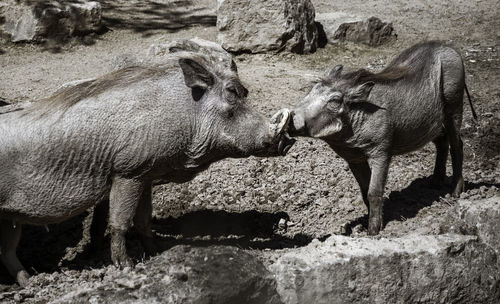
{"x": 241, "y": 202}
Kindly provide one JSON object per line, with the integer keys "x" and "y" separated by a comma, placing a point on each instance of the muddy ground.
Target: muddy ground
{"x": 240, "y": 202}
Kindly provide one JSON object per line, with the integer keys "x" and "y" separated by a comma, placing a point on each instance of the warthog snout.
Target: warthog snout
{"x": 296, "y": 125}
{"x": 279, "y": 127}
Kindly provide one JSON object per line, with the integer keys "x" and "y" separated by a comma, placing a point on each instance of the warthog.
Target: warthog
{"x": 110, "y": 138}
{"x": 366, "y": 118}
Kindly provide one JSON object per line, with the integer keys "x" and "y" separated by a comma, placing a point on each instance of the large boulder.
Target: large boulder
{"x": 186, "y": 274}
{"x": 256, "y": 26}
{"x": 37, "y": 20}
{"x": 212, "y": 50}
{"x": 478, "y": 217}
{"x": 165, "y": 53}
{"x": 340, "y": 27}
{"x": 411, "y": 269}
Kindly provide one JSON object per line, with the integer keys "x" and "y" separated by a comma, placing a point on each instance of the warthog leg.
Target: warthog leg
{"x": 457, "y": 154}
{"x": 124, "y": 198}
{"x": 143, "y": 219}
{"x": 380, "y": 168}
{"x": 10, "y": 236}
{"x": 442, "y": 146}
{"x": 362, "y": 173}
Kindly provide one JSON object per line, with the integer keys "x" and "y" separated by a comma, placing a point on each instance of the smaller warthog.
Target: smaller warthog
{"x": 107, "y": 140}
{"x": 366, "y": 118}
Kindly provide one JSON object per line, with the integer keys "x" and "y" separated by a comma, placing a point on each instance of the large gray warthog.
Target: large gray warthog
{"x": 112, "y": 137}
{"x": 366, "y": 118}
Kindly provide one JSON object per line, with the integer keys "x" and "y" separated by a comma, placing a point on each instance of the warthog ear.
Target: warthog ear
{"x": 195, "y": 74}
{"x": 335, "y": 72}
{"x": 361, "y": 92}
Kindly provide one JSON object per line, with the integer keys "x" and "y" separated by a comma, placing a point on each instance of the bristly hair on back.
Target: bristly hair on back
{"x": 67, "y": 97}
{"x": 389, "y": 74}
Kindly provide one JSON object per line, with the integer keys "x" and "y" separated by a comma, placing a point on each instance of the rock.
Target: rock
{"x": 14, "y": 107}
{"x": 72, "y": 84}
{"x": 479, "y": 217}
{"x": 3, "y": 102}
{"x": 411, "y": 269}
{"x": 257, "y": 26}
{"x": 37, "y": 20}
{"x": 167, "y": 54}
{"x": 86, "y": 16}
{"x": 124, "y": 60}
{"x": 339, "y": 27}
{"x": 197, "y": 45}
{"x": 217, "y": 274}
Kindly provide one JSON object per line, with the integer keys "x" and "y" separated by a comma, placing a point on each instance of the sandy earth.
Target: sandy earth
{"x": 241, "y": 202}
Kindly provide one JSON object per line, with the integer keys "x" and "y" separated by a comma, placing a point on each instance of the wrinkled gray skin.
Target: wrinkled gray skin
{"x": 107, "y": 140}
{"x": 367, "y": 118}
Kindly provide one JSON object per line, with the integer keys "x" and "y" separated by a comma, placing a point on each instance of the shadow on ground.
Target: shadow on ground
{"x": 405, "y": 204}
{"x": 150, "y": 16}
{"x": 42, "y": 248}
{"x": 247, "y": 230}
{"x": 62, "y": 247}
{"x": 145, "y": 17}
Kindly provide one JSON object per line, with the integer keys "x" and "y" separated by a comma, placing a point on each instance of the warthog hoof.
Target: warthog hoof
{"x": 22, "y": 278}
{"x": 459, "y": 187}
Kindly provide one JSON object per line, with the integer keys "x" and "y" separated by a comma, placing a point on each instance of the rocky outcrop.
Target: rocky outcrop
{"x": 187, "y": 275}
{"x": 446, "y": 268}
{"x": 257, "y": 26}
{"x": 478, "y": 217}
{"x": 339, "y": 27}
{"x": 412, "y": 269}
{"x": 37, "y": 20}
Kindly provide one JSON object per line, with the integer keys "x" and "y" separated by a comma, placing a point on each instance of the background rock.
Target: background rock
{"x": 186, "y": 275}
{"x": 36, "y": 20}
{"x": 340, "y": 26}
{"x": 257, "y": 26}
{"x": 3, "y": 102}
{"x": 161, "y": 53}
{"x": 213, "y": 50}
{"x": 411, "y": 269}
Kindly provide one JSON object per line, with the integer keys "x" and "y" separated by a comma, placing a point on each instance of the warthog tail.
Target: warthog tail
{"x": 470, "y": 103}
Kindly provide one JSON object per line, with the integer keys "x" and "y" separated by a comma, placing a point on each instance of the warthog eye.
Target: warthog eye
{"x": 335, "y": 99}
{"x": 232, "y": 90}
{"x": 232, "y": 95}
{"x": 197, "y": 92}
